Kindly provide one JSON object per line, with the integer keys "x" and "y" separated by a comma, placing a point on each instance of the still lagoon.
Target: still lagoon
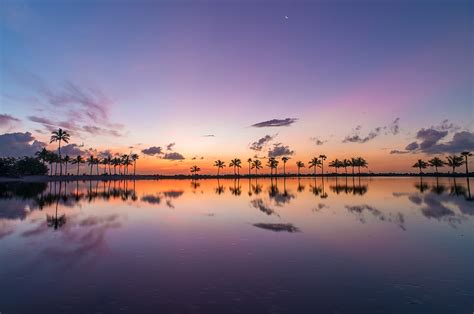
{"x": 309, "y": 245}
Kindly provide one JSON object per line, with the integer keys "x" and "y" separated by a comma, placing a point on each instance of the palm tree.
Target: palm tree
{"x": 272, "y": 163}
{"x": 346, "y": 163}
{"x": 116, "y": 162}
{"x": 436, "y": 162}
{"x": 105, "y": 162}
{"x": 361, "y": 162}
{"x": 134, "y": 158}
{"x": 285, "y": 160}
{"x": 466, "y": 154}
{"x": 250, "y": 164}
{"x": 126, "y": 163}
{"x": 78, "y": 160}
{"x": 195, "y": 169}
{"x": 236, "y": 163}
{"x": 219, "y": 164}
{"x": 454, "y": 162}
{"x": 322, "y": 158}
{"x": 314, "y": 163}
{"x": 66, "y": 160}
{"x": 353, "y": 164}
{"x": 300, "y": 165}
{"x": 420, "y": 164}
{"x": 336, "y": 163}
{"x": 257, "y": 164}
{"x": 42, "y": 155}
{"x": 91, "y": 162}
{"x": 58, "y": 136}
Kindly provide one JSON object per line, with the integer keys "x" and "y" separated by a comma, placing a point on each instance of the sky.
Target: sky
{"x": 188, "y": 82}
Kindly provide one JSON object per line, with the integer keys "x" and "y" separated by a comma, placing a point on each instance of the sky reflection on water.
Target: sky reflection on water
{"x": 371, "y": 245}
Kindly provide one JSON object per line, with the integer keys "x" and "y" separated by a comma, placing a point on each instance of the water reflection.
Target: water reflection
{"x": 246, "y": 244}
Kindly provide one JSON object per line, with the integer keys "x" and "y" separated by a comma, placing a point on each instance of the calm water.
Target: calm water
{"x": 382, "y": 245}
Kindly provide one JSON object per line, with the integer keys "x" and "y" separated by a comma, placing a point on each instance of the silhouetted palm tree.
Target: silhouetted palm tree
{"x": 116, "y": 162}
{"x": 257, "y": 164}
{"x": 78, "y": 160}
{"x": 346, "y": 163}
{"x": 272, "y": 163}
{"x": 322, "y": 158}
{"x": 195, "y": 169}
{"x": 42, "y": 155}
{"x": 58, "y": 136}
{"x": 420, "y": 164}
{"x": 249, "y": 161}
{"x": 134, "y": 158}
{"x": 91, "y": 162}
{"x": 353, "y": 164}
{"x": 219, "y": 164}
{"x": 105, "y": 162}
{"x": 454, "y": 162}
{"x": 127, "y": 162}
{"x": 466, "y": 154}
{"x": 285, "y": 160}
{"x": 236, "y": 163}
{"x": 361, "y": 163}
{"x": 437, "y": 163}
{"x": 66, "y": 160}
{"x": 336, "y": 163}
{"x": 299, "y": 165}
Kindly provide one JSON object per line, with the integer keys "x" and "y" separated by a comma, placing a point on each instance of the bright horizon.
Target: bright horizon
{"x": 390, "y": 82}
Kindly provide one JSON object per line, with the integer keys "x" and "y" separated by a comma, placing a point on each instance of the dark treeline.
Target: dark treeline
{"x": 18, "y": 167}
{"x": 453, "y": 162}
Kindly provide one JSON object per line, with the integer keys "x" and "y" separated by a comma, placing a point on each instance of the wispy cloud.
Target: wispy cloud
{"x": 262, "y": 142}
{"x": 393, "y": 128}
{"x": 275, "y": 123}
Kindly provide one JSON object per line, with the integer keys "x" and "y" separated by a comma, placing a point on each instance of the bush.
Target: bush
{"x": 26, "y": 166}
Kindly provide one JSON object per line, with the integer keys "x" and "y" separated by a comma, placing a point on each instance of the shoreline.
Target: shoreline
{"x": 193, "y": 177}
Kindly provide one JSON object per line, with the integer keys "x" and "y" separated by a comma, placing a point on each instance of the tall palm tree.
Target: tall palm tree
{"x": 195, "y": 169}
{"x": 336, "y": 163}
{"x": 116, "y": 162}
{"x": 236, "y": 163}
{"x": 134, "y": 158}
{"x": 97, "y": 163}
{"x": 466, "y": 154}
{"x": 78, "y": 160}
{"x": 219, "y": 164}
{"x": 420, "y": 164}
{"x": 66, "y": 160}
{"x": 285, "y": 160}
{"x": 454, "y": 162}
{"x": 42, "y": 155}
{"x": 361, "y": 162}
{"x": 437, "y": 163}
{"x": 314, "y": 163}
{"x": 272, "y": 163}
{"x": 257, "y": 164}
{"x": 58, "y": 136}
{"x": 346, "y": 163}
{"x": 353, "y": 164}
{"x": 124, "y": 161}
{"x": 105, "y": 162}
{"x": 91, "y": 162}
{"x": 249, "y": 161}
{"x": 322, "y": 158}
{"x": 300, "y": 165}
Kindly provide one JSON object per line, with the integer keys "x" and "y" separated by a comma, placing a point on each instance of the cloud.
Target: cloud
{"x": 153, "y": 150}
{"x": 19, "y": 144}
{"x": 275, "y": 123}
{"x": 317, "y": 141}
{"x": 170, "y": 146}
{"x": 73, "y": 150}
{"x": 412, "y": 146}
{"x": 173, "y": 156}
{"x": 392, "y": 129}
{"x": 262, "y": 142}
{"x": 277, "y": 227}
{"x": 6, "y": 120}
{"x": 429, "y": 137}
{"x": 279, "y": 150}
{"x": 396, "y": 151}
{"x": 95, "y": 130}
{"x": 209, "y": 135}
{"x": 151, "y": 199}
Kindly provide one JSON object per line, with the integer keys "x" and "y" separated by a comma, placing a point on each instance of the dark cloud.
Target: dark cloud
{"x": 429, "y": 137}
{"x": 280, "y": 150}
{"x": 275, "y": 123}
{"x": 7, "y": 120}
{"x": 412, "y": 146}
{"x": 260, "y": 205}
{"x": 392, "y": 129}
{"x": 151, "y": 199}
{"x": 73, "y": 150}
{"x": 277, "y": 227}
{"x": 461, "y": 141}
{"x": 170, "y": 146}
{"x": 152, "y": 151}
{"x": 173, "y": 156}
{"x": 396, "y": 151}
{"x": 19, "y": 144}
{"x": 262, "y": 142}
{"x": 317, "y": 141}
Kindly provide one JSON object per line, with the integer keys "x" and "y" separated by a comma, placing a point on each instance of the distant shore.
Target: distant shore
{"x": 190, "y": 177}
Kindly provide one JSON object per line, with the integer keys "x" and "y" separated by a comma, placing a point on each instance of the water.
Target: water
{"x": 380, "y": 245}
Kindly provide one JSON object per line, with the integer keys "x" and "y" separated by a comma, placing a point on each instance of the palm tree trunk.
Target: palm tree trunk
{"x": 65, "y": 170}
{"x": 78, "y": 168}
{"x": 91, "y": 168}
{"x": 60, "y": 160}
{"x": 467, "y": 171}
{"x": 218, "y": 168}
{"x": 134, "y": 167}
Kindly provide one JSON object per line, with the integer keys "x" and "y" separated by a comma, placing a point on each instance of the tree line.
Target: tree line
{"x": 453, "y": 161}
